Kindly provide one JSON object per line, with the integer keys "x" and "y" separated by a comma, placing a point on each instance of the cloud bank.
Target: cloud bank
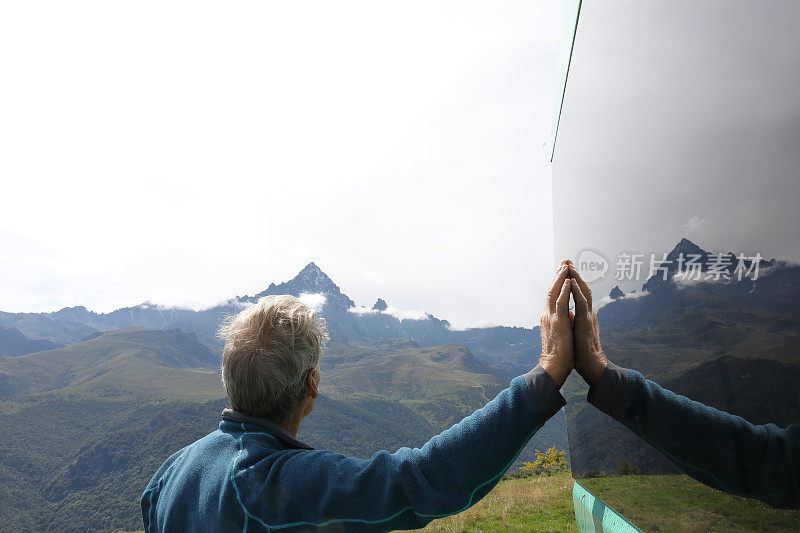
{"x": 400, "y": 314}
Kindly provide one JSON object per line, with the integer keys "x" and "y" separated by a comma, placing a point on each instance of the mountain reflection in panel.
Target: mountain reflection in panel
{"x": 676, "y": 187}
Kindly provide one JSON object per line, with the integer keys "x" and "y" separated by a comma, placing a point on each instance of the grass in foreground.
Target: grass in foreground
{"x": 678, "y": 503}
{"x": 539, "y": 503}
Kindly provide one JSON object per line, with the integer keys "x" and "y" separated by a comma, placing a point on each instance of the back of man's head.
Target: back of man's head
{"x": 269, "y": 350}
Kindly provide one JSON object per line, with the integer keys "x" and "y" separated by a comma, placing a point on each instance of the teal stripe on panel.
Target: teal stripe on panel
{"x": 594, "y": 516}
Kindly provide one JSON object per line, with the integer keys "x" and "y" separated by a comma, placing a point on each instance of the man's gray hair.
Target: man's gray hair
{"x": 270, "y": 348}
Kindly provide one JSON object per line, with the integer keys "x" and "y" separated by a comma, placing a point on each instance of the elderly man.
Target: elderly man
{"x": 252, "y": 474}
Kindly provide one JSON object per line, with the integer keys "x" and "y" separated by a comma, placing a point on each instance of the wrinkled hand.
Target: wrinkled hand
{"x": 557, "y": 345}
{"x": 590, "y": 360}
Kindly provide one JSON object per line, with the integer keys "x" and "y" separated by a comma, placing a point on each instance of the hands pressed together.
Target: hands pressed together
{"x": 571, "y": 340}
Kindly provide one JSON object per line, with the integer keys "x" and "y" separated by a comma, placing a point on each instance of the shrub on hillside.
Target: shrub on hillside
{"x": 545, "y": 463}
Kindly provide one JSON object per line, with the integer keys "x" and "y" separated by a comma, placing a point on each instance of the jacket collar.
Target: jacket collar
{"x": 277, "y": 431}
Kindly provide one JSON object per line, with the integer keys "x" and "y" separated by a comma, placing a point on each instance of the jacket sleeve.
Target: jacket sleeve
{"x": 304, "y": 489}
{"x": 721, "y": 450}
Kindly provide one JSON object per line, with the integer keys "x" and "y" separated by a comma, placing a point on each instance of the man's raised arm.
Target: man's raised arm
{"x": 411, "y": 487}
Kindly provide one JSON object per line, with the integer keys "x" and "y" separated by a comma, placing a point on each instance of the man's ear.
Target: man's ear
{"x": 312, "y": 382}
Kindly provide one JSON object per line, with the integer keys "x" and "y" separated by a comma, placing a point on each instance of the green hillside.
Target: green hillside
{"x": 13, "y": 343}
{"x": 131, "y": 363}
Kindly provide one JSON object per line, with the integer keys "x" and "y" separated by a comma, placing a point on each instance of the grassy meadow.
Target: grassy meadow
{"x": 678, "y": 503}
{"x": 538, "y": 503}
{"x": 652, "y": 503}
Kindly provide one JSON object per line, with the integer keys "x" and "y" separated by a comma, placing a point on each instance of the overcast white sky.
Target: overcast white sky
{"x": 184, "y": 153}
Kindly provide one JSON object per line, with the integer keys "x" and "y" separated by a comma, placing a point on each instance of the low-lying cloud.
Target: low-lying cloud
{"x": 605, "y": 300}
{"x": 400, "y": 314}
{"x": 476, "y": 325}
{"x": 313, "y": 300}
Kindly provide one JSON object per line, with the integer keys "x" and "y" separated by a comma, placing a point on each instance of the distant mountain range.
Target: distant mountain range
{"x": 508, "y": 351}
{"x": 734, "y": 345}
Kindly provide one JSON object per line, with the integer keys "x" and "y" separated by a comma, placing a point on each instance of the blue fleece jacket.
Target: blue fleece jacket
{"x": 249, "y": 475}
{"x": 719, "y": 449}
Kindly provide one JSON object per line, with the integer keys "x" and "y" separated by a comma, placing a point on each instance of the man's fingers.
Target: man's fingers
{"x": 555, "y": 288}
{"x": 581, "y": 303}
{"x": 587, "y": 292}
{"x": 562, "y": 264}
{"x": 562, "y": 303}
